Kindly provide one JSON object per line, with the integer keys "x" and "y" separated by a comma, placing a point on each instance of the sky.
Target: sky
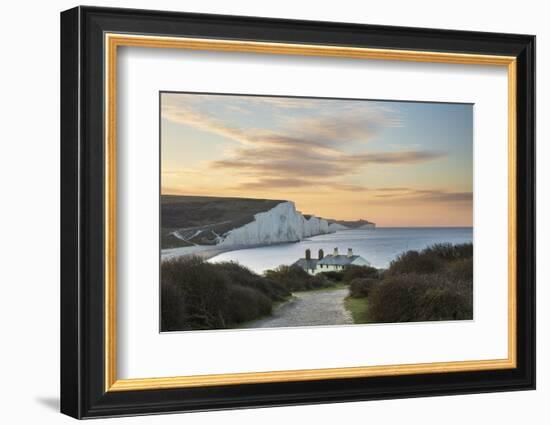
{"x": 392, "y": 163}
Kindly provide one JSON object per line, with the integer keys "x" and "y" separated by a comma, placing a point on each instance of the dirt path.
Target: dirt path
{"x": 324, "y": 307}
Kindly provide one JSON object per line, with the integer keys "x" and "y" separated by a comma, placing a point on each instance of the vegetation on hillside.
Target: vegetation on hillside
{"x": 433, "y": 284}
{"x": 201, "y": 218}
{"x": 352, "y": 272}
{"x": 294, "y": 278}
{"x": 196, "y": 294}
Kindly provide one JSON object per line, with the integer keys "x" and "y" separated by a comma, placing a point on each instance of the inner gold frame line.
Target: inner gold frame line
{"x": 111, "y": 43}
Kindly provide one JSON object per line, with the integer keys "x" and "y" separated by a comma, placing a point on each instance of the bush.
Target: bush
{"x": 246, "y": 304}
{"x": 462, "y": 269}
{"x": 202, "y": 290}
{"x": 362, "y": 287}
{"x": 196, "y": 294}
{"x": 415, "y": 262}
{"x": 413, "y": 298}
{"x": 173, "y": 312}
{"x": 334, "y": 276}
{"x": 446, "y": 304}
{"x": 319, "y": 281}
{"x": 432, "y": 259}
{"x": 294, "y": 278}
{"x": 350, "y": 273}
{"x": 355, "y": 272}
{"x": 245, "y": 277}
{"x": 434, "y": 284}
{"x": 450, "y": 252}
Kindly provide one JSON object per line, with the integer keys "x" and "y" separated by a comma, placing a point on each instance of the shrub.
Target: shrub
{"x": 203, "y": 291}
{"x": 294, "y": 278}
{"x": 319, "y": 281}
{"x": 445, "y": 304}
{"x": 355, "y": 272}
{"x": 245, "y": 277}
{"x": 433, "y": 284}
{"x": 196, "y": 294}
{"x": 246, "y": 304}
{"x": 334, "y": 275}
{"x": 462, "y": 269}
{"x": 414, "y": 297}
{"x": 432, "y": 259}
{"x": 173, "y": 311}
{"x": 362, "y": 287}
{"x": 450, "y": 252}
{"x": 415, "y": 262}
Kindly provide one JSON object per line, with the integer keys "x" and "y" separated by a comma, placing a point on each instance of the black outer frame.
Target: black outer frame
{"x": 82, "y": 206}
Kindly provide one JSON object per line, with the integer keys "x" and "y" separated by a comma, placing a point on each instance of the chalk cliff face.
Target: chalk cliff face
{"x": 281, "y": 223}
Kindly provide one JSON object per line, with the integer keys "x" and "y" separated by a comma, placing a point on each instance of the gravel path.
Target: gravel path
{"x": 324, "y": 307}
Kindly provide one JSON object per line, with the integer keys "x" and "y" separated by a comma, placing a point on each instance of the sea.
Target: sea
{"x": 378, "y": 246}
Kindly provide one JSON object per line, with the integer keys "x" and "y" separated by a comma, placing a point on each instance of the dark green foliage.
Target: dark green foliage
{"x": 294, "y": 278}
{"x": 350, "y": 273}
{"x": 334, "y": 276}
{"x": 356, "y": 272}
{"x": 414, "y": 298}
{"x": 200, "y": 295}
{"x": 415, "y": 262}
{"x": 244, "y": 277}
{"x": 362, "y": 287}
{"x": 174, "y": 312}
{"x": 433, "y": 259}
{"x": 462, "y": 269}
{"x": 245, "y": 304}
{"x": 434, "y": 284}
{"x": 450, "y": 252}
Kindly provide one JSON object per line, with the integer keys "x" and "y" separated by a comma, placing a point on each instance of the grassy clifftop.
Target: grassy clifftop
{"x": 199, "y": 219}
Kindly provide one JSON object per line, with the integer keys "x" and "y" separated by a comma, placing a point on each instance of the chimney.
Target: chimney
{"x": 321, "y": 254}
{"x": 308, "y": 254}
{"x": 350, "y": 252}
{"x": 335, "y": 251}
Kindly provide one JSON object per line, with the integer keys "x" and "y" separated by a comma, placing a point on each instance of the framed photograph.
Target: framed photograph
{"x": 261, "y": 212}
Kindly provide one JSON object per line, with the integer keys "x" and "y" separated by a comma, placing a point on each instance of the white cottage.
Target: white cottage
{"x": 334, "y": 262}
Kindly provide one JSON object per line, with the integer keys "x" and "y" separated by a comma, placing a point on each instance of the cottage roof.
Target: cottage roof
{"x": 338, "y": 260}
{"x": 310, "y": 264}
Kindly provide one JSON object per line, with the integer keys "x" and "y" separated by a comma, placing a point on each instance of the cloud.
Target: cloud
{"x": 326, "y": 123}
{"x": 274, "y": 183}
{"x": 426, "y": 195}
{"x": 313, "y": 141}
{"x": 178, "y": 110}
{"x": 440, "y": 196}
{"x": 297, "y": 162}
{"x": 181, "y": 173}
{"x": 281, "y": 102}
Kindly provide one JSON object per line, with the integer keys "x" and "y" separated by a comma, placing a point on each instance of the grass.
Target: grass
{"x": 358, "y": 307}
{"x": 201, "y": 218}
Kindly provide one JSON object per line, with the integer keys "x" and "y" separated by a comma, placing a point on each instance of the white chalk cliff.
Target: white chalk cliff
{"x": 282, "y": 223}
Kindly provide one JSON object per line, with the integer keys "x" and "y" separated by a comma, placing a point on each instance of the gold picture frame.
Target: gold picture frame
{"x": 114, "y": 41}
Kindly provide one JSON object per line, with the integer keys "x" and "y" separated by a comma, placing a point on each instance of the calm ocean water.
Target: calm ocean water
{"x": 378, "y": 246}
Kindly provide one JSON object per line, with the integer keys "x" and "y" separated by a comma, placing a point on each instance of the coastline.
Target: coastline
{"x": 204, "y": 251}
{"x": 207, "y": 252}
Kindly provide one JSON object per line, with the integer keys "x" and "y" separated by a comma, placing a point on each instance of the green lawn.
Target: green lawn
{"x": 358, "y": 308}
